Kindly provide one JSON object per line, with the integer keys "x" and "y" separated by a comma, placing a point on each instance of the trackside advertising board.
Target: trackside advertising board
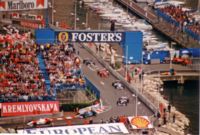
{"x": 140, "y": 122}
{"x": 13, "y": 5}
{"x": 89, "y": 36}
{"x": 29, "y": 108}
{"x": 91, "y": 129}
{"x": 29, "y": 24}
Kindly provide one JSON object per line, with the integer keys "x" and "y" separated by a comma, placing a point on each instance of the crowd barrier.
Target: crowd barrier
{"x": 24, "y": 119}
{"x": 92, "y": 88}
{"x": 170, "y": 20}
{"x": 29, "y": 99}
{"x": 192, "y": 34}
{"x": 61, "y": 87}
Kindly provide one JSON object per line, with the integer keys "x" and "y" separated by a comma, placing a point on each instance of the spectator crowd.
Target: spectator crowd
{"x": 20, "y": 77}
{"x": 63, "y": 66}
{"x": 186, "y": 21}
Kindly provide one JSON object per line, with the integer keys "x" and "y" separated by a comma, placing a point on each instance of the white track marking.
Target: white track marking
{"x": 102, "y": 83}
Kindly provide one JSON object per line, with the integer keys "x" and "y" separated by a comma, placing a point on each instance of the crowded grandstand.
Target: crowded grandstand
{"x": 31, "y": 72}
{"x": 182, "y": 19}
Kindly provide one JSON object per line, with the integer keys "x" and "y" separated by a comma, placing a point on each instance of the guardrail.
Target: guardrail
{"x": 161, "y": 71}
{"x": 138, "y": 10}
{"x": 133, "y": 89}
{"x": 92, "y": 88}
{"x": 25, "y": 119}
{"x": 29, "y": 99}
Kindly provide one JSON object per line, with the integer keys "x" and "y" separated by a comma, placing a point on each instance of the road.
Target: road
{"x": 109, "y": 95}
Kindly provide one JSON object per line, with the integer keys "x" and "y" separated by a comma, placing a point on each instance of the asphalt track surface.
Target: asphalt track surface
{"x": 109, "y": 94}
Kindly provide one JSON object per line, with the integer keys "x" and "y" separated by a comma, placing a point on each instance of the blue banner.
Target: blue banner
{"x": 89, "y": 36}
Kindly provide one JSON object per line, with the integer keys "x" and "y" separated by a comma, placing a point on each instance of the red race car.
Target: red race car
{"x": 103, "y": 73}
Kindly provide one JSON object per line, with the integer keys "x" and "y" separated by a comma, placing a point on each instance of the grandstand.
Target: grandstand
{"x": 31, "y": 72}
{"x": 183, "y": 20}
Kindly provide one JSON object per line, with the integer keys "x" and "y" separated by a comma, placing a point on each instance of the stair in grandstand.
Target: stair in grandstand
{"x": 44, "y": 71}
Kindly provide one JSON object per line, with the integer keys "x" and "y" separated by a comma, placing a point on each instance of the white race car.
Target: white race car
{"x": 118, "y": 85}
{"x": 41, "y": 121}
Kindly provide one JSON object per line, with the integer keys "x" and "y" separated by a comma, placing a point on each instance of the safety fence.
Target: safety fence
{"x": 26, "y": 118}
{"x": 92, "y": 88}
{"x": 61, "y": 87}
{"x": 27, "y": 99}
{"x": 172, "y": 21}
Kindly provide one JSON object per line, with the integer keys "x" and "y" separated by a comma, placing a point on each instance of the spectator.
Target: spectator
{"x": 164, "y": 120}
{"x": 174, "y": 118}
{"x": 182, "y": 19}
{"x": 169, "y": 108}
{"x": 112, "y": 26}
{"x": 158, "y": 115}
{"x": 20, "y": 79}
{"x": 102, "y": 121}
{"x": 90, "y": 121}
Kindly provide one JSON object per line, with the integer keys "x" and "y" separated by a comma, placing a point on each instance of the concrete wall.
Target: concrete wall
{"x": 195, "y": 64}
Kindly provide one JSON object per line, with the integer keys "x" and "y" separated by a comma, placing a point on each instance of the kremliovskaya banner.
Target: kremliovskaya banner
{"x": 13, "y": 5}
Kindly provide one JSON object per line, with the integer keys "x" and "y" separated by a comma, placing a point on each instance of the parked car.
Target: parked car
{"x": 182, "y": 61}
{"x": 88, "y": 61}
{"x": 87, "y": 114}
{"x": 123, "y": 101}
{"x": 118, "y": 85}
{"x": 103, "y": 73}
{"x": 41, "y": 121}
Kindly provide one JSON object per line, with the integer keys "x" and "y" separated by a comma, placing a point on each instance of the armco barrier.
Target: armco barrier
{"x": 25, "y": 119}
{"x": 145, "y": 100}
{"x": 92, "y": 88}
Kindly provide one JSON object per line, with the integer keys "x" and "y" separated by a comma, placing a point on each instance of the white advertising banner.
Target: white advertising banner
{"x": 91, "y": 129}
{"x": 13, "y": 5}
{"x": 140, "y": 122}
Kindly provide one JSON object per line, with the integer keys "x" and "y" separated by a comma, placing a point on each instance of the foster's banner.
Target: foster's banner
{"x": 29, "y": 108}
{"x": 89, "y": 36}
{"x": 91, "y": 129}
{"x": 13, "y": 5}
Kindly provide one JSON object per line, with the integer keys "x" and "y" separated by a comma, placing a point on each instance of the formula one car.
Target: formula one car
{"x": 122, "y": 101}
{"x": 87, "y": 114}
{"x": 118, "y": 85}
{"x": 88, "y": 61}
{"x": 103, "y": 73}
{"x": 41, "y": 121}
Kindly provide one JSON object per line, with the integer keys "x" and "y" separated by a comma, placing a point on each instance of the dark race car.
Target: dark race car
{"x": 118, "y": 85}
{"x": 123, "y": 101}
{"x": 87, "y": 114}
{"x": 88, "y": 62}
